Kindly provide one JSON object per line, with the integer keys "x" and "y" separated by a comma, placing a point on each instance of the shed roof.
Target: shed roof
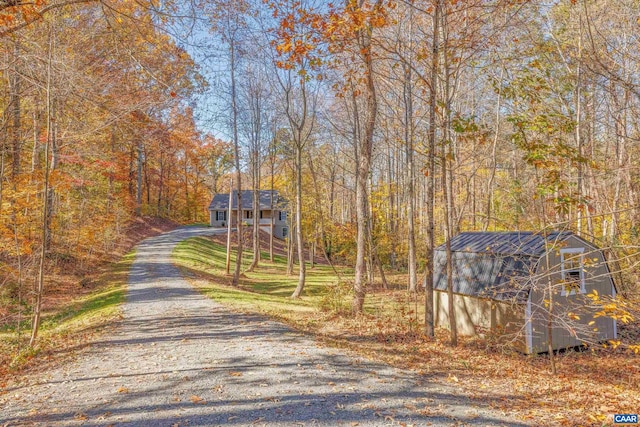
{"x": 221, "y": 201}
{"x": 496, "y": 265}
{"x": 505, "y": 243}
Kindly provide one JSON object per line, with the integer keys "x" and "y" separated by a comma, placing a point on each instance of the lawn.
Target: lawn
{"x": 591, "y": 385}
{"x": 267, "y": 290}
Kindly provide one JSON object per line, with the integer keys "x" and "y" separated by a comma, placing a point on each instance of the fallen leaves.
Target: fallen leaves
{"x": 197, "y": 400}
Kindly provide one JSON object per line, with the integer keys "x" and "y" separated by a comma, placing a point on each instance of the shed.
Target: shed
{"x": 502, "y": 281}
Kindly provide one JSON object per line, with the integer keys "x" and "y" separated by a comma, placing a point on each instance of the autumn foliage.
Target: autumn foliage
{"x": 94, "y": 100}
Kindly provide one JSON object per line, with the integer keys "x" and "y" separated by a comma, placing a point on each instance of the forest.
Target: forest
{"x": 389, "y": 126}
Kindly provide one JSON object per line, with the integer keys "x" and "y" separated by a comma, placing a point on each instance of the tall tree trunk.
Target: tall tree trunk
{"x": 272, "y": 161}
{"x": 447, "y": 182}
{"x": 493, "y": 160}
{"x": 429, "y": 317}
{"x": 409, "y": 147}
{"x": 578, "y": 133}
{"x": 37, "y": 306}
{"x": 302, "y": 267}
{"x": 236, "y": 152}
{"x": 363, "y": 169}
{"x": 139, "y": 180}
{"x": 15, "y": 100}
{"x": 229, "y": 221}
{"x": 256, "y": 211}
{"x": 53, "y": 165}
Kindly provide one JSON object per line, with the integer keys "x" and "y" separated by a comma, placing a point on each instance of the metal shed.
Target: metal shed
{"x": 502, "y": 281}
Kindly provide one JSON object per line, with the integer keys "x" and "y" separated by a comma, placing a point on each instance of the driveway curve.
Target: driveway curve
{"x": 180, "y": 359}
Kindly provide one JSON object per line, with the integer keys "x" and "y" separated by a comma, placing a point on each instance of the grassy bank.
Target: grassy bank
{"x": 69, "y": 326}
{"x": 267, "y": 290}
{"x": 591, "y": 385}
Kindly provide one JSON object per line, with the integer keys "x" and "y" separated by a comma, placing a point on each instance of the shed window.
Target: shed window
{"x": 285, "y": 232}
{"x": 282, "y": 216}
{"x": 248, "y": 214}
{"x": 572, "y": 263}
{"x": 221, "y": 215}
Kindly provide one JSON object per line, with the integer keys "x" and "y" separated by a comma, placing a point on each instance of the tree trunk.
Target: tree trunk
{"x": 408, "y": 136}
{"x": 256, "y": 212}
{"x": 447, "y": 186}
{"x": 236, "y": 151}
{"x": 139, "y": 180}
{"x": 429, "y": 273}
{"x": 37, "y": 306}
{"x": 494, "y": 148}
{"x": 363, "y": 169}
{"x": 290, "y": 251}
{"x": 14, "y": 100}
{"x": 300, "y": 244}
{"x": 229, "y": 221}
{"x": 272, "y": 219}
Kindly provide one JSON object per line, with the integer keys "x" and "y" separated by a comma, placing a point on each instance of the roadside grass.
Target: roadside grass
{"x": 69, "y": 326}
{"x": 592, "y": 385}
{"x": 266, "y": 290}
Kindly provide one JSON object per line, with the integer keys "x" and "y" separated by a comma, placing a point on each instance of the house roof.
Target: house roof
{"x": 496, "y": 265}
{"x": 221, "y": 201}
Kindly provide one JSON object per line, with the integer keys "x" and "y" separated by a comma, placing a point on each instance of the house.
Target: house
{"x": 268, "y": 217}
{"x": 502, "y": 281}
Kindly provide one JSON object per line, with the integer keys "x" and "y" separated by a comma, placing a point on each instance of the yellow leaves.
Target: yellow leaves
{"x": 597, "y": 417}
{"x": 122, "y": 390}
{"x": 614, "y": 308}
{"x": 235, "y": 374}
{"x": 615, "y": 343}
{"x": 573, "y": 316}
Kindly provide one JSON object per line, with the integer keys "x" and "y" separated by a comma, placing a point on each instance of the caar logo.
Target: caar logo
{"x": 625, "y": 418}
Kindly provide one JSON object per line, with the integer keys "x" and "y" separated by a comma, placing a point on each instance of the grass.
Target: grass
{"x": 591, "y": 385}
{"x": 68, "y": 326}
{"x": 267, "y": 290}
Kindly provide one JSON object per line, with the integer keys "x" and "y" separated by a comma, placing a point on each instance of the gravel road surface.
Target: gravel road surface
{"x": 180, "y": 359}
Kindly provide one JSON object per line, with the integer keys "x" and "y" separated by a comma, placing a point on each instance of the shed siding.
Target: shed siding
{"x": 597, "y": 278}
{"x": 479, "y": 315}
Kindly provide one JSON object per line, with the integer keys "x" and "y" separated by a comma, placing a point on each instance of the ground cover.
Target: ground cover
{"x": 79, "y": 302}
{"x": 591, "y": 385}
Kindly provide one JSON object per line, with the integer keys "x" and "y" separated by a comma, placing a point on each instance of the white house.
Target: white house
{"x": 272, "y": 211}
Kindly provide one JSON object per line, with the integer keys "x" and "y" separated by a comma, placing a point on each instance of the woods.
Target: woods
{"x": 95, "y": 129}
{"x": 389, "y": 126}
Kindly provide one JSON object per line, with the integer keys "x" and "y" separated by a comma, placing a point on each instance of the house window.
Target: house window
{"x": 285, "y": 232}
{"x": 221, "y": 215}
{"x": 248, "y": 214}
{"x": 282, "y": 215}
{"x": 572, "y": 264}
{"x": 261, "y": 212}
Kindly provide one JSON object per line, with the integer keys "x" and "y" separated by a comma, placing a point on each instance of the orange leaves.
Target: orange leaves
{"x": 305, "y": 37}
{"x": 197, "y": 400}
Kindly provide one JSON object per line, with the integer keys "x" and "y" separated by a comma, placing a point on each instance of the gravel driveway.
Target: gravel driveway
{"x": 180, "y": 359}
